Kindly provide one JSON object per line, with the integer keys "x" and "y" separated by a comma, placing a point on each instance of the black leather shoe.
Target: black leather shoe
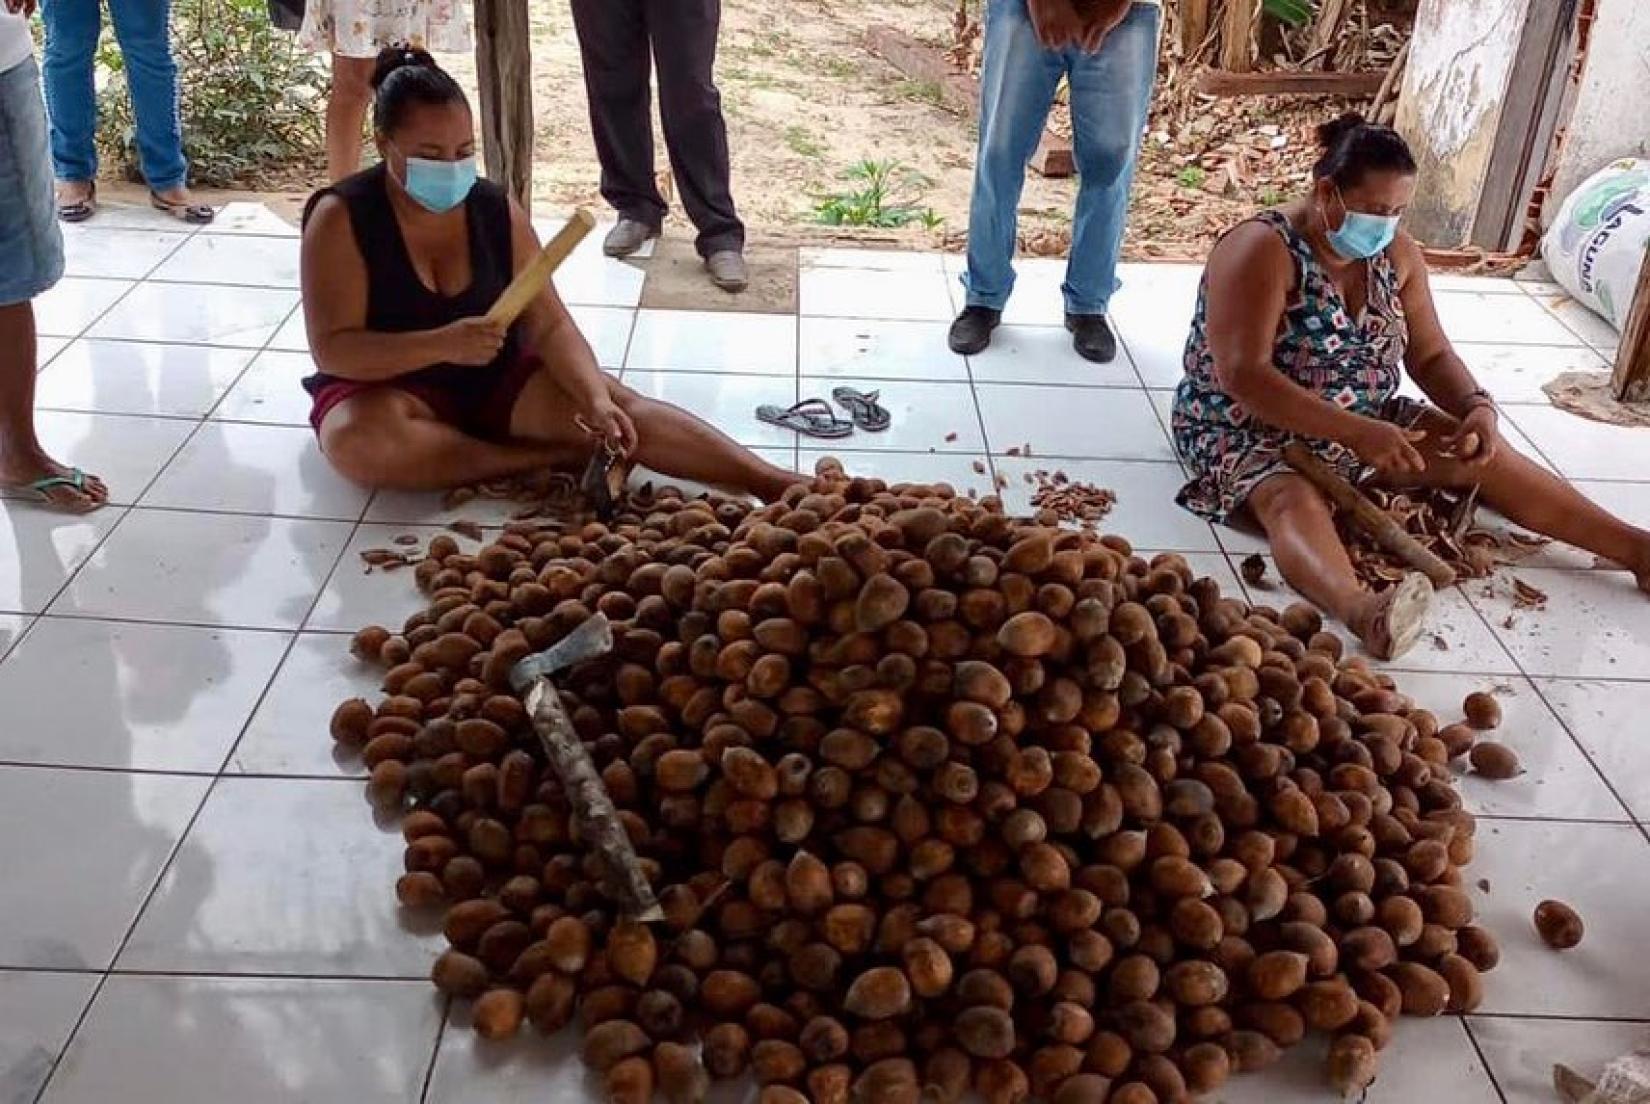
{"x": 1092, "y": 337}
{"x": 971, "y": 332}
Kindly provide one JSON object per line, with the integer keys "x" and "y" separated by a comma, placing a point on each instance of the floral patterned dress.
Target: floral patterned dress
{"x": 1357, "y": 365}
{"x": 361, "y": 28}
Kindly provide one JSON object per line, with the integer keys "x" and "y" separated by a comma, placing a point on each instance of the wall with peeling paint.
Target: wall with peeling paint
{"x": 1460, "y": 63}
{"x": 1611, "y": 116}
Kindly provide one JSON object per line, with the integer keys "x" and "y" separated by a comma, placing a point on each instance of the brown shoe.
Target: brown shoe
{"x": 728, "y": 270}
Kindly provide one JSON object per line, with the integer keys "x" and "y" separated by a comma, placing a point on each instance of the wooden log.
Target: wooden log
{"x": 1237, "y": 35}
{"x": 1218, "y": 82}
{"x": 504, "y": 72}
{"x": 1194, "y": 27}
{"x": 1368, "y": 516}
{"x": 530, "y": 281}
{"x": 595, "y": 819}
{"x": 1632, "y": 377}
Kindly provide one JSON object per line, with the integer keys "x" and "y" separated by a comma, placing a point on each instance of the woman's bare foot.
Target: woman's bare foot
{"x": 1395, "y": 617}
{"x": 67, "y": 489}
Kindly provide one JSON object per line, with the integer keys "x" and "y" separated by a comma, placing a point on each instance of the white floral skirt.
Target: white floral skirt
{"x": 361, "y": 28}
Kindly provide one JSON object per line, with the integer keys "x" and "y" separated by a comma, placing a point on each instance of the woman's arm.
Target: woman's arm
{"x": 334, "y": 281}
{"x": 549, "y": 330}
{"x": 1250, "y": 277}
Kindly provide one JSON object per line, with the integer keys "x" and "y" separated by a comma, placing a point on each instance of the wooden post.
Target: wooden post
{"x": 1325, "y": 30}
{"x": 1194, "y": 26}
{"x": 504, "y": 70}
{"x": 1237, "y": 35}
{"x": 1632, "y": 380}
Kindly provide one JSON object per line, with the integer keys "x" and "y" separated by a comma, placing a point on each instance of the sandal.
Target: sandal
{"x": 810, "y": 417}
{"x": 865, "y": 408}
{"x": 40, "y": 491}
{"x": 195, "y": 214}
{"x": 1402, "y": 616}
{"x": 81, "y": 209}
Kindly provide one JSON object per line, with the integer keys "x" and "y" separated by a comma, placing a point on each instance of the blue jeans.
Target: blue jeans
{"x": 141, "y": 28}
{"x": 32, "y": 258}
{"x": 1110, "y": 93}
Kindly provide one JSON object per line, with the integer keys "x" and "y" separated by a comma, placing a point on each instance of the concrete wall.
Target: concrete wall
{"x": 1611, "y": 116}
{"x": 1460, "y": 64}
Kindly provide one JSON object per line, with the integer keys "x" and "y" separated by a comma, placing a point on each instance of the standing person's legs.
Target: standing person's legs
{"x": 613, "y": 45}
{"x": 31, "y": 263}
{"x": 143, "y": 29}
{"x": 1111, "y": 93}
{"x": 683, "y": 33}
{"x": 346, "y": 112}
{"x": 72, "y": 27}
{"x": 1017, "y": 86}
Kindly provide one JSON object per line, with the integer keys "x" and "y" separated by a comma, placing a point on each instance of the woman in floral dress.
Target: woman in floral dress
{"x": 1307, "y": 319}
{"x": 354, "y": 31}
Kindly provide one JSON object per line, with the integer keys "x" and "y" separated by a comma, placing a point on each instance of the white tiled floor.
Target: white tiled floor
{"x": 197, "y": 902}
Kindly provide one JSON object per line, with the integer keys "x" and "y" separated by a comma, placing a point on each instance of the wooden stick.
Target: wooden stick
{"x": 1368, "y": 516}
{"x": 594, "y": 817}
{"x": 531, "y": 280}
{"x": 1631, "y": 382}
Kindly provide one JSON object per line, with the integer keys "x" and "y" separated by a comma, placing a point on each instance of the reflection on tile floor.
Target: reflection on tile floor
{"x": 197, "y": 905}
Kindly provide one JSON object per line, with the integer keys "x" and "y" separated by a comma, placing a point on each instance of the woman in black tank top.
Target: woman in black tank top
{"x": 416, "y": 390}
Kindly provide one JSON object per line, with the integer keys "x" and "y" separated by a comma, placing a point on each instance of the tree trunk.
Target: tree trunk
{"x": 1194, "y": 26}
{"x": 504, "y": 70}
{"x": 1325, "y": 30}
{"x": 1237, "y": 35}
{"x": 1632, "y": 380}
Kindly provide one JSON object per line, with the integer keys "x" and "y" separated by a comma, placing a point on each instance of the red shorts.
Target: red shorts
{"x": 479, "y": 401}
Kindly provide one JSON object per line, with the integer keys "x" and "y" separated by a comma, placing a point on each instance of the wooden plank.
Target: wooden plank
{"x": 504, "y": 71}
{"x": 1325, "y": 29}
{"x": 1237, "y": 35}
{"x": 1054, "y": 158}
{"x": 1194, "y": 26}
{"x": 1632, "y": 378}
{"x": 1217, "y": 82}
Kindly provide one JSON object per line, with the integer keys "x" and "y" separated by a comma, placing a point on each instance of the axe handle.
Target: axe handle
{"x": 594, "y": 815}
{"x": 531, "y": 279}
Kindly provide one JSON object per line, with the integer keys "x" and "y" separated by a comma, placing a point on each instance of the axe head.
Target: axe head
{"x": 591, "y": 639}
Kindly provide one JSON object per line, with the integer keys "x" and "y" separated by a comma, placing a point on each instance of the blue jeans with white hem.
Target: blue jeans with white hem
{"x": 142, "y": 28}
{"x": 1110, "y": 95}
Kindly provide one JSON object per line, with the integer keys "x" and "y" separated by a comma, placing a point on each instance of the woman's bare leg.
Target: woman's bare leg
{"x": 671, "y": 441}
{"x": 22, "y": 459}
{"x": 389, "y": 439}
{"x": 346, "y": 113}
{"x": 1300, "y": 526}
{"x": 1531, "y": 496}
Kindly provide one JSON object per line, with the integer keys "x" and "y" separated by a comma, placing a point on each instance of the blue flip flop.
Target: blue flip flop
{"x": 41, "y": 490}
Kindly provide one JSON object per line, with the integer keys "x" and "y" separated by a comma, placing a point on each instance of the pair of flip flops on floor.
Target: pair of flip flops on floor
{"x": 816, "y": 418}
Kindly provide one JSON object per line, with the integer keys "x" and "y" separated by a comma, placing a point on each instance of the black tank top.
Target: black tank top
{"x": 397, "y": 300}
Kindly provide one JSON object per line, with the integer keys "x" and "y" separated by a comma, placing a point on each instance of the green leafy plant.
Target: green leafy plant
{"x": 1191, "y": 177}
{"x": 252, "y": 102}
{"x": 1270, "y": 196}
{"x": 1296, "y": 13}
{"x": 888, "y": 196}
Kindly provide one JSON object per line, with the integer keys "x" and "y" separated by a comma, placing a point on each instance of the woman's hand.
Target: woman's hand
{"x": 1477, "y": 439}
{"x": 612, "y": 424}
{"x": 1057, "y": 23}
{"x": 471, "y": 341}
{"x": 1387, "y": 448}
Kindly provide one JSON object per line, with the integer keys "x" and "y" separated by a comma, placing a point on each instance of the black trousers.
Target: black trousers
{"x": 616, "y": 39}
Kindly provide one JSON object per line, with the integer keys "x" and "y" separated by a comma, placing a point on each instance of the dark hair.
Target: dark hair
{"x": 1353, "y": 148}
{"x": 405, "y": 77}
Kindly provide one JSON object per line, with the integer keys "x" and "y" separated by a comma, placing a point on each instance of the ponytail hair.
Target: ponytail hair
{"x": 1351, "y": 148}
{"x": 405, "y": 77}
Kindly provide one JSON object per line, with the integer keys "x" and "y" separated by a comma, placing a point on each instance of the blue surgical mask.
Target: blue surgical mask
{"x": 1362, "y": 235}
{"x": 439, "y": 186}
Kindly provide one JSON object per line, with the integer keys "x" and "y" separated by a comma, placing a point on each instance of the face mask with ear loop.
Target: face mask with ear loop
{"x": 1361, "y": 235}
{"x": 439, "y": 186}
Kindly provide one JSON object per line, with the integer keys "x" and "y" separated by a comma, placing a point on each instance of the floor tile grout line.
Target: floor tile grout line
{"x": 1489, "y": 1070}
{"x": 435, "y": 1049}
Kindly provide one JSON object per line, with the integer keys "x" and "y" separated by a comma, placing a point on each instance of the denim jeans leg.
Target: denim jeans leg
{"x": 72, "y": 27}
{"x": 1017, "y": 84}
{"x": 142, "y": 28}
{"x": 1111, "y": 93}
